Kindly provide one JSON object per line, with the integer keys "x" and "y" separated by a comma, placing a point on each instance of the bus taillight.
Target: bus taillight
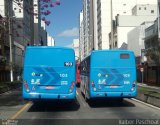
{"x": 72, "y": 87}
{"x": 26, "y": 85}
{"x": 134, "y": 83}
{"x": 73, "y": 83}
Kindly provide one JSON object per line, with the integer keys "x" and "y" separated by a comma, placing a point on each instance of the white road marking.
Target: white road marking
{"x": 77, "y": 93}
{"x": 6, "y": 93}
{"x": 84, "y": 103}
{"x": 152, "y": 106}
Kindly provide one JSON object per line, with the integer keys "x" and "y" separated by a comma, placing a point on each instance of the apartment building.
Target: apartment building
{"x": 81, "y": 36}
{"x": 97, "y": 17}
{"x": 37, "y": 23}
{"x": 50, "y": 40}
{"x": 75, "y": 46}
{"x": 125, "y": 23}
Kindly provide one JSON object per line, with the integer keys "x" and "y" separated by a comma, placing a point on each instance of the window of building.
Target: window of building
{"x": 152, "y": 11}
{"x": 124, "y": 4}
{"x": 124, "y": 12}
{"x": 144, "y": 8}
{"x": 116, "y": 44}
{"x": 139, "y": 8}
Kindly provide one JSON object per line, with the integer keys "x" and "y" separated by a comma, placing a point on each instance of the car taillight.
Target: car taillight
{"x": 26, "y": 85}
{"x": 93, "y": 85}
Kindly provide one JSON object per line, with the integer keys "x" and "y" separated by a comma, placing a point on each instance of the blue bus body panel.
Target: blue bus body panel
{"x": 49, "y": 73}
{"x": 112, "y": 75}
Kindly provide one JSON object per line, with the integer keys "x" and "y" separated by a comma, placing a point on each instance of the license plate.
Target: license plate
{"x": 49, "y": 87}
{"x": 113, "y": 86}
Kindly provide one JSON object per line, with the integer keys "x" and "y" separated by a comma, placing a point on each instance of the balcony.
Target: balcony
{"x": 152, "y": 30}
{"x": 152, "y": 45}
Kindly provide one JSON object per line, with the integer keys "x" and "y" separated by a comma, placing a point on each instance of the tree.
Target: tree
{"x": 45, "y": 6}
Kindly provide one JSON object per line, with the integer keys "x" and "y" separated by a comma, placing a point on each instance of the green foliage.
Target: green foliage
{"x": 6, "y": 86}
{"x": 2, "y": 61}
{"x": 154, "y": 55}
{"x": 148, "y": 91}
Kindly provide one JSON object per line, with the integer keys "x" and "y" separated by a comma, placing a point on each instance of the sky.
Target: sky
{"x": 64, "y": 19}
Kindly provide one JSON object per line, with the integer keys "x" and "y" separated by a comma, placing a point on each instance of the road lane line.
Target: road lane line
{"x": 152, "y": 106}
{"x": 81, "y": 100}
{"x": 21, "y": 110}
{"x": 77, "y": 93}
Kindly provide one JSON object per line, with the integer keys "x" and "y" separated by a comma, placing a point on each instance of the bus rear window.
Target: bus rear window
{"x": 124, "y": 56}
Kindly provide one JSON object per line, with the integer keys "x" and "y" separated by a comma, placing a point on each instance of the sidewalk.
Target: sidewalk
{"x": 149, "y": 94}
{"x": 147, "y": 86}
{"x": 7, "y": 86}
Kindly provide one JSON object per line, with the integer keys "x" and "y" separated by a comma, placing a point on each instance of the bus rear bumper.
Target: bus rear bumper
{"x": 114, "y": 94}
{"x": 39, "y": 96}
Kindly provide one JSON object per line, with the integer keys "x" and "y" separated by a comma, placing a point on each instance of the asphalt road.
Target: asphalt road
{"x": 107, "y": 112}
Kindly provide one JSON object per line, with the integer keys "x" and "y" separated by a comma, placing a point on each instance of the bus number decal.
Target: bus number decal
{"x": 126, "y": 82}
{"x": 126, "y": 75}
{"x": 64, "y": 82}
{"x": 68, "y": 64}
{"x": 63, "y": 75}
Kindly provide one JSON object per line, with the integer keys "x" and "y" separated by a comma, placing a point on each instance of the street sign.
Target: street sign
{"x": 142, "y": 69}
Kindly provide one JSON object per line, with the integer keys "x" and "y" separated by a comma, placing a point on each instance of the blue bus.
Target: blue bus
{"x": 49, "y": 73}
{"x": 108, "y": 73}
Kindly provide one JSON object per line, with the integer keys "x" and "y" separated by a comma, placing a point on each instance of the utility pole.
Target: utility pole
{"x": 158, "y": 1}
{"x": 112, "y": 27}
{"x": 10, "y": 45}
{"x": 10, "y": 40}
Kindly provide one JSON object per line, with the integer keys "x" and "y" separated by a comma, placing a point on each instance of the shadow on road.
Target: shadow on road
{"x": 54, "y": 106}
{"x": 109, "y": 103}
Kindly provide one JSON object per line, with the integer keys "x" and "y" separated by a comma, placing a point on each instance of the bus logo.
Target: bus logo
{"x": 99, "y": 74}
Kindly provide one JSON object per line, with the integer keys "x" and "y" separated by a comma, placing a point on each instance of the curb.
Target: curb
{"x": 146, "y": 86}
{"x": 9, "y": 90}
{"x": 139, "y": 101}
{"x": 148, "y": 99}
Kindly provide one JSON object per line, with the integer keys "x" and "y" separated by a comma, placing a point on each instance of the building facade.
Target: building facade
{"x": 136, "y": 37}
{"x": 152, "y": 52}
{"x": 37, "y": 23}
{"x": 43, "y": 37}
{"x": 81, "y": 36}
{"x": 126, "y": 23}
{"x": 4, "y": 65}
{"x": 19, "y": 32}
{"x": 75, "y": 46}
{"x": 23, "y": 33}
{"x": 97, "y": 17}
{"x": 50, "y": 40}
